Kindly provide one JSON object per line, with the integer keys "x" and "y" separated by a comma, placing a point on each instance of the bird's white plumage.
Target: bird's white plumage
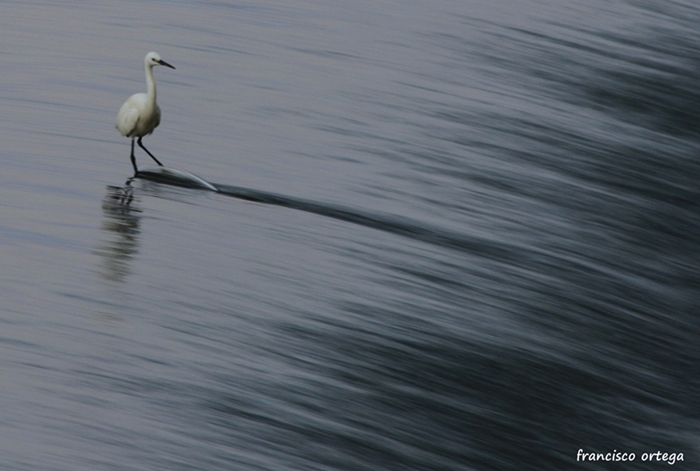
{"x": 140, "y": 114}
{"x": 137, "y": 118}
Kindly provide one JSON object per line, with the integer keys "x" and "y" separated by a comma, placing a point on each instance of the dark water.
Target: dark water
{"x": 448, "y": 236}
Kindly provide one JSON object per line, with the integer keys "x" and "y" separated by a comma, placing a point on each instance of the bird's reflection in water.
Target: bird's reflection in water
{"x": 120, "y": 232}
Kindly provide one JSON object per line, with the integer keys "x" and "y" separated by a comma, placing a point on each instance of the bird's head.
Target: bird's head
{"x": 153, "y": 59}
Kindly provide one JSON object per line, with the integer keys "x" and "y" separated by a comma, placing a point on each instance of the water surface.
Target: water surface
{"x": 448, "y": 236}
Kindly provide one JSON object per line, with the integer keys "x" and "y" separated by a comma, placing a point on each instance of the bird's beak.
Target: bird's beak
{"x": 165, "y": 64}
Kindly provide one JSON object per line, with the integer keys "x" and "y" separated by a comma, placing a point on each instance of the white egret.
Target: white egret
{"x": 140, "y": 114}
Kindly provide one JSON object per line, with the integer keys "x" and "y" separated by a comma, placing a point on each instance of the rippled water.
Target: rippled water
{"x": 448, "y": 235}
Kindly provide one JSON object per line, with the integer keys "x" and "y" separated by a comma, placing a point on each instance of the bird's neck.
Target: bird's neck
{"x": 151, "y": 90}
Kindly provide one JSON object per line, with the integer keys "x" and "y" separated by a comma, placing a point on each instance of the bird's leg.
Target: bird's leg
{"x": 152, "y": 156}
{"x": 133, "y": 158}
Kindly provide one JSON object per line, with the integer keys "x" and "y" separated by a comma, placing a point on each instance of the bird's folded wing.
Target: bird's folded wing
{"x": 127, "y": 120}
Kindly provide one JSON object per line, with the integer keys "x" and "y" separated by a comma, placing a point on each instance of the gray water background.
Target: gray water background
{"x": 473, "y": 242}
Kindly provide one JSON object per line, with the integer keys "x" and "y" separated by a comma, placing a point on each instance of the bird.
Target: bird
{"x": 140, "y": 114}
